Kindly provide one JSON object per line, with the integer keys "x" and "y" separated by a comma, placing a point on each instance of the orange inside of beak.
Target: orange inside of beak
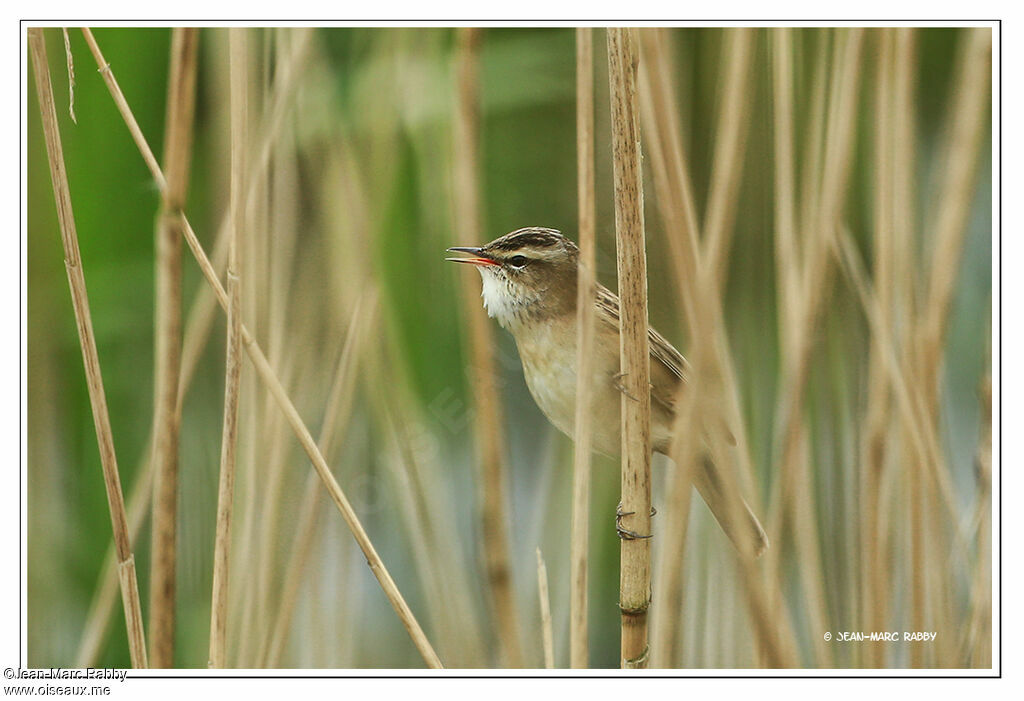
{"x": 473, "y": 261}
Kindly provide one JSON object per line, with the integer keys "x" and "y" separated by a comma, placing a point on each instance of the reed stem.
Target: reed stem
{"x": 166, "y": 418}
{"x": 336, "y": 416}
{"x": 266, "y": 374}
{"x": 730, "y": 146}
{"x": 197, "y": 333}
{"x": 487, "y": 412}
{"x": 634, "y": 349}
{"x": 579, "y": 654}
{"x": 545, "y": 612}
{"x": 711, "y": 384}
{"x": 675, "y": 204}
{"x": 90, "y": 357}
{"x": 239, "y": 58}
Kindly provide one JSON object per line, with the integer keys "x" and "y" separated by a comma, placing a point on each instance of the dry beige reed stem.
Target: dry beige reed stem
{"x": 961, "y": 162}
{"x": 920, "y": 438}
{"x": 837, "y": 164}
{"x": 905, "y": 140}
{"x": 487, "y": 412}
{"x": 675, "y": 205}
{"x": 978, "y": 634}
{"x": 101, "y": 608}
{"x": 269, "y": 260}
{"x": 790, "y": 320}
{"x": 873, "y": 567}
{"x": 422, "y": 508}
{"x": 71, "y": 75}
{"x": 673, "y": 189}
{"x": 272, "y": 192}
{"x": 122, "y": 106}
{"x": 200, "y": 318}
{"x": 669, "y": 583}
{"x": 418, "y": 511}
{"x": 336, "y": 415}
{"x": 786, "y": 246}
{"x": 545, "y": 612}
{"x": 813, "y": 152}
{"x": 916, "y": 437}
{"x": 904, "y": 264}
{"x": 787, "y": 508}
{"x": 197, "y": 333}
{"x": 166, "y": 420}
{"x": 712, "y": 384}
{"x": 416, "y": 472}
{"x": 348, "y": 513}
{"x": 90, "y": 358}
{"x": 239, "y": 48}
{"x": 634, "y": 349}
{"x": 730, "y": 144}
{"x": 264, "y": 481}
{"x": 965, "y": 132}
{"x": 270, "y": 380}
{"x": 816, "y": 272}
{"x": 579, "y": 655}
{"x": 273, "y": 479}
{"x": 284, "y": 89}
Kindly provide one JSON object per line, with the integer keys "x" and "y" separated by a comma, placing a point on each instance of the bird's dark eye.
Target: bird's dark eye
{"x": 518, "y": 262}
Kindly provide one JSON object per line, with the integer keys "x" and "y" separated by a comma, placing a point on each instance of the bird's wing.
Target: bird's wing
{"x": 668, "y": 360}
{"x": 667, "y": 374}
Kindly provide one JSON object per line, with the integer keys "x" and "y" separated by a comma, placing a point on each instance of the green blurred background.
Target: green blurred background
{"x": 385, "y": 97}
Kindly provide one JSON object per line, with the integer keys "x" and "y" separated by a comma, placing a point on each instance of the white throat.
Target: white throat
{"x": 498, "y": 300}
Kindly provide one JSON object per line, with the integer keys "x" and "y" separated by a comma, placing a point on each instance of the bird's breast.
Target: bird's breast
{"x": 548, "y": 354}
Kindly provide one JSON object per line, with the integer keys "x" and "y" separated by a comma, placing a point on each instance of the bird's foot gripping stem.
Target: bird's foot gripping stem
{"x": 623, "y": 532}
{"x": 617, "y": 384}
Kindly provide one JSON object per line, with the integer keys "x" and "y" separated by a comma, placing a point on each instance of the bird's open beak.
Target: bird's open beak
{"x": 480, "y": 258}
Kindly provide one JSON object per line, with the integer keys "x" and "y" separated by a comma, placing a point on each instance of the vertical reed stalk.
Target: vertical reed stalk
{"x": 273, "y": 384}
{"x": 816, "y": 275}
{"x": 257, "y": 472}
{"x": 711, "y": 385}
{"x": 197, "y": 333}
{"x": 101, "y": 608}
{"x": 90, "y": 357}
{"x": 965, "y": 131}
{"x": 977, "y": 642}
{"x": 232, "y": 381}
{"x": 635, "y": 565}
{"x": 786, "y": 244}
{"x": 177, "y": 156}
{"x": 336, "y": 416}
{"x": 873, "y": 451}
{"x": 271, "y": 256}
{"x": 905, "y": 273}
{"x": 673, "y": 189}
{"x": 676, "y": 207}
{"x": 494, "y": 506}
{"x": 790, "y": 320}
{"x": 579, "y": 650}
{"x": 545, "y": 612}
{"x": 791, "y": 507}
{"x": 730, "y": 145}
{"x": 904, "y": 168}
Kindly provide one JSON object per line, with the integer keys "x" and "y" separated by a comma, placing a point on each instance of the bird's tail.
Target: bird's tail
{"x": 730, "y": 510}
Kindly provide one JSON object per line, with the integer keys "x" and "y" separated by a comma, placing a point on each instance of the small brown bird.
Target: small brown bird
{"x": 529, "y": 286}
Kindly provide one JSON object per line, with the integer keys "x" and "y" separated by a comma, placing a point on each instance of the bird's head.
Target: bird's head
{"x": 528, "y": 274}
